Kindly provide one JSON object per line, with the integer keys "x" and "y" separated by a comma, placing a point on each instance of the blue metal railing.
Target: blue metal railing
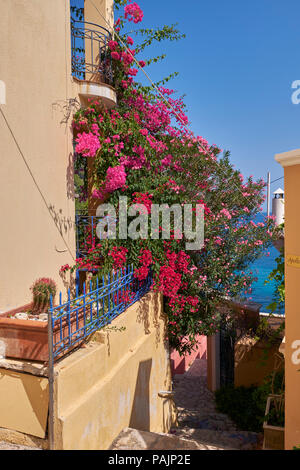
{"x": 88, "y": 233}
{"x": 74, "y": 320}
{"x": 86, "y": 236}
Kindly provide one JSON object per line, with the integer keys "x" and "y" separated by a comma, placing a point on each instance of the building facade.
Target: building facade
{"x": 41, "y": 90}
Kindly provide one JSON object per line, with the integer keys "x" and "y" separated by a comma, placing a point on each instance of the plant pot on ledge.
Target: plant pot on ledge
{"x": 28, "y": 339}
{"x": 273, "y": 434}
{"x": 23, "y": 339}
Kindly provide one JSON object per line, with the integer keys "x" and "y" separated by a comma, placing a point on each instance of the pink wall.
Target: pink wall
{"x": 180, "y": 364}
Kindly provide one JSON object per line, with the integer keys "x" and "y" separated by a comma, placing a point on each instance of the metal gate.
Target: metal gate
{"x": 227, "y": 342}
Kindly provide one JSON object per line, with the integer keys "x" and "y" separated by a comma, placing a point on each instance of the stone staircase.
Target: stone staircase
{"x": 195, "y": 439}
{"x": 220, "y": 440}
{"x": 201, "y": 427}
{"x": 8, "y": 446}
{"x": 133, "y": 439}
{"x": 198, "y": 418}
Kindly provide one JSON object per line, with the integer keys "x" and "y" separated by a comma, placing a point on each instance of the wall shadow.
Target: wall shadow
{"x": 70, "y": 175}
{"x": 63, "y": 223}
{"x": 140, "y": 412}
{"x": 148, "y": 302}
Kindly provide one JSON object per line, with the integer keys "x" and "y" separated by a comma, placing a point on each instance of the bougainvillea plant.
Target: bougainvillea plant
{"x": 144, "y": 150}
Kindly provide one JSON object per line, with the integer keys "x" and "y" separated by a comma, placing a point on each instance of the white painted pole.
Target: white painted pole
{"x": 268, "y": 193}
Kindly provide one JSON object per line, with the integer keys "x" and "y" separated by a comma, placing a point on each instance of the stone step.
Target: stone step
{"x": 239, "y": 440}
{"x": 213, "y": 421}
{"x": 133, "y": 439}
{"x": 8, "y": 446}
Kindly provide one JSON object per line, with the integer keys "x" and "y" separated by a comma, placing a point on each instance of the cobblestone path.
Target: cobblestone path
{"x": 197, "y": 416}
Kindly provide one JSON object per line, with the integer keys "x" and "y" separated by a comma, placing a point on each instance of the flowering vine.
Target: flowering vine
{"x": 143, "y": 150}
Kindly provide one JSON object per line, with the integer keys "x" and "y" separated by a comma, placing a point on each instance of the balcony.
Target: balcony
{"x": 91, "y": 62}
{"x": 89, "y": 233}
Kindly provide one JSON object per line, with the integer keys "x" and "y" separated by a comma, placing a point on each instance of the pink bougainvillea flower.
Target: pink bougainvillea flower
{"x": 145, "y": 199}
{"x": 113, "y": 45}
{"x": 87, "y": 144}
{"x": 141, "y": 273}
{"x": 95, "y": 129}
{"x": 127, "y": 58}
{"x": 115, "y": 55}
{"x": 129, "y": 40}
{"x": 133, "y": 13}
{"x": 169, "y": 281}
{"x": 99, "y": 193}
{"x": 132, "y": 72}
{"x": 119, "y": 256}
{"x": 115, "y": 178}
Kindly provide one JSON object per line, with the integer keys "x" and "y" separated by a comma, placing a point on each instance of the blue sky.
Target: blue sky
{"x": 236, "y": 64}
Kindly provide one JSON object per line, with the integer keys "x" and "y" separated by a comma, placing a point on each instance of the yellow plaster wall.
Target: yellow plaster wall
{"x": 291, "y": 164}
{"x": 292, "y": 283}
{"x": 106, "y": 387}
{"x": 35, "y": 65}
{"x": 98, "y": 10}
{"x": 23, "y": 402}
{"x": 254, "y": 361}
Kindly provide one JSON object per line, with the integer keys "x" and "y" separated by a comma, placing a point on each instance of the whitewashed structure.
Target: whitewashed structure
{"x": 278, "y": 206}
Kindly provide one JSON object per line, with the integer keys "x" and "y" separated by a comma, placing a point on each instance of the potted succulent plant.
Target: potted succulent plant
{"x": 42, "y": 289}
{"x": 23, "y": 330}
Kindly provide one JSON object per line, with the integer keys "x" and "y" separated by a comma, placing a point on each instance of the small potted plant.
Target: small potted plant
{"x": 42, "y": 289}
{"x": 23, "y": 330}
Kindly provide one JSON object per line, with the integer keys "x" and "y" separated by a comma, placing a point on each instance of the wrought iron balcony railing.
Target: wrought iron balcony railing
{"x": 89, "y": 233}
{"x": 91, "y": 59}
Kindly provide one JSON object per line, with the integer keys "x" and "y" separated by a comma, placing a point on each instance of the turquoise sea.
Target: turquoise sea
{"x": 261, "y": 268}
{"x": 261, "y": 292}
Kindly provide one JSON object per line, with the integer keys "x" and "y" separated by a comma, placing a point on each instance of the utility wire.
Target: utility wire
{"x": 34, "y": 180}
{"x": 274, "y": 181}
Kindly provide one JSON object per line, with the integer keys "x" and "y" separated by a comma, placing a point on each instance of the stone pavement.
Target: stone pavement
{"x": 8, "y": 446}
{"x": 197, "y": 416}
{"x": 133, "y": 439}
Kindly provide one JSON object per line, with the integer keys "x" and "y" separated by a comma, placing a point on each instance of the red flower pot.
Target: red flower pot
{"x": 28, "y": 339}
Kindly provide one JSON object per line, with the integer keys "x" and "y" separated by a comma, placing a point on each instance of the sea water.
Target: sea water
{"x": 263, "y": 293}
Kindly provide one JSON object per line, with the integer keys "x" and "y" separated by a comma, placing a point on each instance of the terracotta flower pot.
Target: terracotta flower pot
{"x": 28, "y": 339}
{"x": 23, "y": 339}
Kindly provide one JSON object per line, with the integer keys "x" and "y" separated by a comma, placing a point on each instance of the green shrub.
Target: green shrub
{"x": 246, "y": 405}
{"x": 239, "y": 404}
